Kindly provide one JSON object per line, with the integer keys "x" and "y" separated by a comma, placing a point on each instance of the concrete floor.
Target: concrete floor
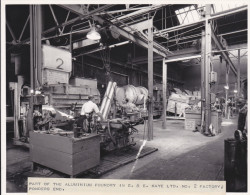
{"x": 182, "y": 155}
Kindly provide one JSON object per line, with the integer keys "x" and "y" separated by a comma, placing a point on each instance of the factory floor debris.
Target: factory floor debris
{"x": 181, "y": 155}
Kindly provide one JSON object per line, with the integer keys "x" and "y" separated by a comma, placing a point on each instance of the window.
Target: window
{"x": 187, "y": 15}
{"x": 191, "y": 13}
{"x": 224, "y": 7}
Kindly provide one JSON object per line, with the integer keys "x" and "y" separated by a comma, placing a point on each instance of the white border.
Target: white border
{"x": 3, "y": 58}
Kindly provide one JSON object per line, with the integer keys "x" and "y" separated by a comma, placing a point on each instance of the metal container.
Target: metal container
{"x": 235, "y": 165}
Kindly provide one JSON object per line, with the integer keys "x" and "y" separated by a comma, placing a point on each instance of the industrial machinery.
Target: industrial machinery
{"x": 117, "y": 132}
{"x": 57, "y": 103}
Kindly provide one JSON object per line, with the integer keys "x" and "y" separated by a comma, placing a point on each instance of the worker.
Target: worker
{"x": 87, "y": 111}
{"x": 242, "y": 119}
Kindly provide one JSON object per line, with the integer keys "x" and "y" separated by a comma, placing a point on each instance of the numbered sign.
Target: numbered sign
{"x": 56, "y": 58}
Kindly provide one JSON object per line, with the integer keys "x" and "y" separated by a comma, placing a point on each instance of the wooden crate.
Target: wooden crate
{"x": 67, "y": 155}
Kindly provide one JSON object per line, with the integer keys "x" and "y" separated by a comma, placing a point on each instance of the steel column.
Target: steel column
{"x": 226, "y": 104}
{"x": 150, "y": 81}
{"x": 238, "y": 75}
{"x": 164, "y": 93}
{"x": 207, "y": 69}
{"x": 16, "y": 112}
{"x": 32, "y": 75}
{"x": 203, "y": 57}
{"x": 39, "y": 43}
{"x": 35, "y": 52}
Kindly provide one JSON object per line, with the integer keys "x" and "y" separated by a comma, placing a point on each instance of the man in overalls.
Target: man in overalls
{"x": 87, "y": 112}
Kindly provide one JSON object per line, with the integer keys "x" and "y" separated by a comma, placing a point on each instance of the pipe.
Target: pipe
{"x": 108, "y": 102}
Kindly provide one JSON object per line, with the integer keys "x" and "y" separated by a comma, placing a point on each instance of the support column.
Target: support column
{"x": 16, "y": 112}
{"x": 150, "y": 80}
{"x": 207, "y": 69}
{"x": 238, "y": 75}
{"x": 164, "y": 93}
{"x": 227, "y": 84}
{"x": 35, "y": 56}
{"x": 203, "y": 57}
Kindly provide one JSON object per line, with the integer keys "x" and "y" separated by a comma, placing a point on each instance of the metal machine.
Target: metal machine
{"x": 59, "y": 99}
{"x": 117, "y": 132}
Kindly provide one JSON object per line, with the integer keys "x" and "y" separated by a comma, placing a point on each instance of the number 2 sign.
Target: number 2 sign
{"x": 56, "y": 58}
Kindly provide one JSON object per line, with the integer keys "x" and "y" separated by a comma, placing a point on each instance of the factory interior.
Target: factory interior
{"x": 167, "y": 84}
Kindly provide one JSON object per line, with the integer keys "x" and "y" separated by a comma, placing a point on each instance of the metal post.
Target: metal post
{"x": 164, "y": 93}
{"x": 238, "y": 75}
{"x": 207, "y": 69}
{"x": 30, "y": 116}
{"x": 226, "y": 104}
{"x": 150, "y": 80}
{"x": 35, "y": 55}
{"x": 16, "y": 113}
{"x": 203, "y": 53}
{"x": 39, "y": 43}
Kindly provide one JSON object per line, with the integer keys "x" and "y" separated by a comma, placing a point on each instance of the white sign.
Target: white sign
{"x": 56, "y": 58}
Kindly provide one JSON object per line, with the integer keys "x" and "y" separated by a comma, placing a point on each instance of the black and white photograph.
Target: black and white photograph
{"x": 124, "y": 91}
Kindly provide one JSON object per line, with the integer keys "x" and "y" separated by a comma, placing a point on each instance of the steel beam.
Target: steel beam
{"x": 233, "y": 32}
{"x": 24, "y": 27}
{"x": 150, "y": 81}
{"x": 77, "y": 9}
{"x": 54, "y": 16}
{"x": 164, "y": 93}
{"x": 183, "y": 58}
{"x": 139, "y": 12}
{"x": 180, "y": 54}
{"x": 72, "y": 21}
{"x": 136, "y": 39}
{"x": 141, "y": 41}
{"x": 11, "y": 31}
{"x": 66, "y": 19}
{"x": 224, "y": 53}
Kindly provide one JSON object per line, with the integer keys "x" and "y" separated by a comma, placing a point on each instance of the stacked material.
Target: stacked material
{"x": 177, "y": 103}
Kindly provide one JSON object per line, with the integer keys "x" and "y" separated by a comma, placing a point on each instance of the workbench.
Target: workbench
{"x": 65, "y": 154}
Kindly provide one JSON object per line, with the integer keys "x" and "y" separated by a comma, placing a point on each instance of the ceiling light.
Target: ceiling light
{"x": 235, "y": 91}
{"x": 226, "y": 87}
{"x": 93, "y": 34}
